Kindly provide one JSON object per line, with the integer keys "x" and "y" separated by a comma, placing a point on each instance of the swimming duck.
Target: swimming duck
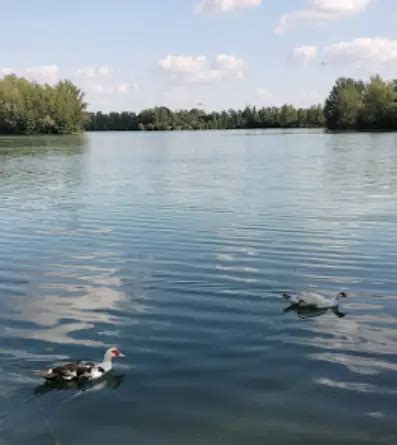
{"x": 314, "y": 300}
{"x": 82, "y": 370}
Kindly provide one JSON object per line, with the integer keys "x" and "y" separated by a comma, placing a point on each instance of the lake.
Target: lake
{"x": 177, "y": 247}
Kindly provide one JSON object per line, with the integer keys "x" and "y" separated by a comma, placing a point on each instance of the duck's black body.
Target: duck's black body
{"x": 110, "y": 380}
{"x": 72, "y": 371}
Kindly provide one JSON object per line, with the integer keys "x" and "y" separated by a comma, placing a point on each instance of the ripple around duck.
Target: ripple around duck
{"x": 177, "y": 250}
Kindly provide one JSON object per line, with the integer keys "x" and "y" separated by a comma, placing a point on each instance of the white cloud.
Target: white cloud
{"x": 197, "y": 69}
{"x": 104, "y": 70}
{"x": 224, "y": 5}
{"x": 88, "y": 72}
{"x": 321, "y": 11}
{"x": 368, "y": 53}
{"x": 108, "y": 89}
{"x": 92, "y": 72}
{"x": 6, "y": 70}
{"x": 263, "y": 93}
{"x": 206, "y": 76}
{"x": 340, "y": 6}
{"x": 226, "y": 62}
{"x": 103, "y": 88}
{"x": 126, "y": 88}
{"x": 94, "y": 87}
{"x": 183, "y": 64}
{"x": 304, "y": 55}
{"x": 99, "y": 80}
{"x": 43, "y": 73}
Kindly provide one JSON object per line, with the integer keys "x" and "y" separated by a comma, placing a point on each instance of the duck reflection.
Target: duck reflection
{"x": 311, "y": 312}
{"x": 110, "y": 381}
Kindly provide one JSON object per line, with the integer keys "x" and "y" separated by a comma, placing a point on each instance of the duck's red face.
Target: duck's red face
{"x": 116, "y": 353}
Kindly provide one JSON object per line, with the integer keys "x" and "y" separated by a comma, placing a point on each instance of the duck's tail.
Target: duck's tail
{"x": 287, "y": 296}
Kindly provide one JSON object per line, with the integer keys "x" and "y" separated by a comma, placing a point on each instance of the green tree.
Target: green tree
{"x": 343, "y": 105}
{"x": 28, "y": 108}
{"x": 379, "y": 104}
{"x": 288, "y": 116}
{"x": 314, "y": 116}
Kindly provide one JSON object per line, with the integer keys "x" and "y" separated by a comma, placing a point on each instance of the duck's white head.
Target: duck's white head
{"x": 341, "y": 295}
{"x": 113, "y": 353}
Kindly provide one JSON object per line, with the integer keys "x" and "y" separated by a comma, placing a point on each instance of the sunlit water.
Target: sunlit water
{"x": 176, "y": 247}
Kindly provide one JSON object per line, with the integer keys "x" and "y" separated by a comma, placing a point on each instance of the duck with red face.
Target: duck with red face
{"x": 82, "y": 370}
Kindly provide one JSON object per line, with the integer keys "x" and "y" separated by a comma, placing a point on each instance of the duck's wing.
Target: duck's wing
{"x": 68, "y": 371}
{"x": 84, "y": 369}
{"x": 71, "y": 371}
{"x": 314, "y": 299}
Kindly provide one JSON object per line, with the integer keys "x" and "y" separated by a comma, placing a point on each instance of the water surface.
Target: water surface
{"x": 176, "y": 247}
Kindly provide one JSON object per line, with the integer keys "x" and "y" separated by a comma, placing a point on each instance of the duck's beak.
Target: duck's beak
{"x": 122, "y": 355}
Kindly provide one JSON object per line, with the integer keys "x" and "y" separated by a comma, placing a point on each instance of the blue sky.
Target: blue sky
{"x": 213, "y": 53}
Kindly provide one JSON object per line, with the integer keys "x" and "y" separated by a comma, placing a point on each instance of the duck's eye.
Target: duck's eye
{"x": 115, "y": 352}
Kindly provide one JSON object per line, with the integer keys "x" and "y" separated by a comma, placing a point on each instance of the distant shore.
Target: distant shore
{"x": 30, "y": 108}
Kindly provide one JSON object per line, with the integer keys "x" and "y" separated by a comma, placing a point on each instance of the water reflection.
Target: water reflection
{"x": 17, "y": 146}
{"x": 74, "y": 297}
{"x": 307, "y": 312}
{"x": 175, "y": 247}
{"x": 364, "y": 343}
{"x": 111, "y": 380}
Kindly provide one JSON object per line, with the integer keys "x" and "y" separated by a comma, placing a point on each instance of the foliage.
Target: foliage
{"x": 379, "y": 105}
{"x": 29, "y": 108}
{"x": 344, "y": 103}
{"x": 125, "y": 121}
{"x": 162, "y": 118}
{"x": 355, "y": 105}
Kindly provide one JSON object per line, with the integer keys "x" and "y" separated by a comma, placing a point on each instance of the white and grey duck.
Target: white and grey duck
{"x": 314, "y": 300}
{"x": 82, "y": 370}
{"x": 313, "y": 304}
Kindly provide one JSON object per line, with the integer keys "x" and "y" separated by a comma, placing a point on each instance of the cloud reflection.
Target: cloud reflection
{"x": 72, "y": 299}
{"x": 364, "y": 344}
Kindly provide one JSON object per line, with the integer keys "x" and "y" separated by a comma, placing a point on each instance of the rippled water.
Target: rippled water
{"x": 176, "y": 247}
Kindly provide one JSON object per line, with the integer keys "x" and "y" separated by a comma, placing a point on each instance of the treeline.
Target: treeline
{"x": 30, "y": 108}
{"x": 351, "y": 105}
{"x": 355, "y": 105}
{"x": 162, "y": 118}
